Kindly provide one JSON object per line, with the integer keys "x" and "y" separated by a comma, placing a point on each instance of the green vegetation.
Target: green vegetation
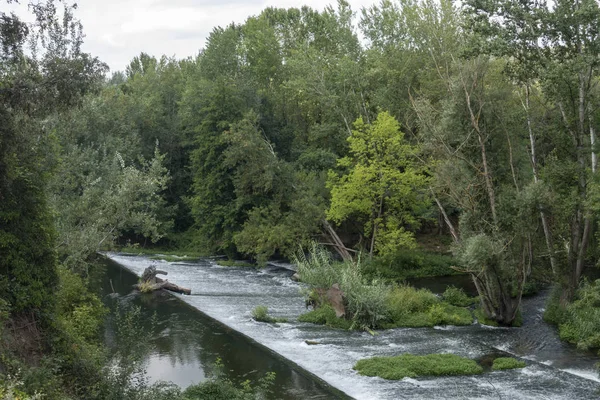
{"x": 501, "y": 363}
{"x": 325, "y": 315}
{"x": 286, "y": 128}
{"x": 405, "y": 264}
{"x": 372, "y": 304}
{"x": 410, "y": 307}
{"x": 458, "y": 297}
{"x": 578, "y": 322}
{"x": 381, "y": 172}
{"x": 412, "y": 366}
{"x": 261, "y": 314}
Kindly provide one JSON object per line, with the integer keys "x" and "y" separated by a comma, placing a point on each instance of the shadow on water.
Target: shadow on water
{"x": 186, "y": 344}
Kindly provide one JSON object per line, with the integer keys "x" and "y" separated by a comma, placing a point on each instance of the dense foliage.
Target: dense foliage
{"x": 476, "y": 120}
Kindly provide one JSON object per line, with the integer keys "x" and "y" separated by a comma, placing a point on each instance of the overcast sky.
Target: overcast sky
{"x": 118, "y": 30}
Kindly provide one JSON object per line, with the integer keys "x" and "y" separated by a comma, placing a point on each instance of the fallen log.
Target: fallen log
{"x": 150, "y": 283}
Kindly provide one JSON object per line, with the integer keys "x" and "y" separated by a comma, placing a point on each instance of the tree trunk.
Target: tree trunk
{"x": 451, "y": 228}
{"x": 338, "y": 245}
{"x": 546, "y": 227}
{"x": 150, "y": 283}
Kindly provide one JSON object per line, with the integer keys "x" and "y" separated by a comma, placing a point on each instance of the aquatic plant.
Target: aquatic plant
{"x": 412, "y": 366}
{"x": 261, "y": 314}
{"x": 501, "y": 363}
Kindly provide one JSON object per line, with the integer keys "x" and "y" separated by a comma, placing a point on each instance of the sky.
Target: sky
{"x": 118, "y": 30}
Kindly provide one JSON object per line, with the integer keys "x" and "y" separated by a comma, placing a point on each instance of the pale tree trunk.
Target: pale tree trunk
{"x": 338, "y": 245}
{"x": 449, "y": 223}
{"x": 532, "y": 154}
{"x": 481, "y": 139}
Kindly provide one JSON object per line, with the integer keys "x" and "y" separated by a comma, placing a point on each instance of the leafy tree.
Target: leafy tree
{"x": 382, "y": 185}
{"x": 33, "y": 84}
{"x": 554, "y": 47}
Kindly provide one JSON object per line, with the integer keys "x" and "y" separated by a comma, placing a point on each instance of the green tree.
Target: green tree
{"x": 34, "y": 84}
{"x": 382, "y": 186}
{"x": 554, "y": 48}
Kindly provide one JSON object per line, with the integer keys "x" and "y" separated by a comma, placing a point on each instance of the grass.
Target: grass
{"x": 483, "y": 320}
{"x": 414, "y": 308}
{"x": 578, "y": 322}
{"x": 502, "y": 363}
{"x": 412, "y": 366}
{"x": 325, "y": 315}
{"x": 161, "y": 251}
{"x": 261, "y": 314}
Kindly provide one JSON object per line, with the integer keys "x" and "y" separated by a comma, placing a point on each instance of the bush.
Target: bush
{"x": 507, "y": 363}
{"x": 580, "y": 323}
{"x": 447, "y": 314}
{"x": 325, "y": 315}
{"x": 406, "y": 264}
{"x": 458, "y": 297}
{"x": 220, "y": 388}
{"x": 412, "y": 366}
{"x": 365, "y": 301}
{"x": 261, "y": 314}
{"x": 372, "y": 304}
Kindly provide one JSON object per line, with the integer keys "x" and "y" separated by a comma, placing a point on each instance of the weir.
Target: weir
{"x": 229, "y": 294}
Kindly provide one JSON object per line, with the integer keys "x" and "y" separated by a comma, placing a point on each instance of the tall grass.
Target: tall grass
{"x": 371, "y": 304}
{"x": 365, "y": 300}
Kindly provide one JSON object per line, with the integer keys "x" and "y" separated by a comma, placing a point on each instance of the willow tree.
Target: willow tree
{"x": 381, "y": 185}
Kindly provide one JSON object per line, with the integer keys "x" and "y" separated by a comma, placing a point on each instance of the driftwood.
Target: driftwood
{"x": 150, "y": 283}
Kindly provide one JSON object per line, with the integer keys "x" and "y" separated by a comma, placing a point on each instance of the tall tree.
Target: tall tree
{"x": 33, "y": 85}
{"x": 381, "y": 185}
{"x": 554, "y": 46}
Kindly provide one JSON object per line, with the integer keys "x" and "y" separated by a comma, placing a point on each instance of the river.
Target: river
{"x": 224, "y": 328}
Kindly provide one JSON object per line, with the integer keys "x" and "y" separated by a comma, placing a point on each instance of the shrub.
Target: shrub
{"x": 482, "y": 319}
{"x": 221, "y": 388}
{"x": 261, "y": 314}
{"x": 407, "y": 307}
{"x": 458, "y": 297}
{"x": 581, "y": 320}
{"x": 412, "y": 366}
{"x": 365, "y": 301}
{"x": 447, "y": 314}
{"x": 405, "y": 264}
{"x": 507, "y": 363}
{"x": 318, "y": 269}
{"x": 325, "y": 315}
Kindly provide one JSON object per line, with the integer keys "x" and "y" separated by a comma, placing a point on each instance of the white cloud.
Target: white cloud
{"x": 118, "y": 30}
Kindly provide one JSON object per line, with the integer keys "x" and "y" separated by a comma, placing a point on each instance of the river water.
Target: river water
{"x": 554, "y": 369}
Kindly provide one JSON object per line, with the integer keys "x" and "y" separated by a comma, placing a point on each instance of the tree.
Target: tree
{"x": 33, "y": 85}
{"x": 554, "y": 46}
{"x": 382, "y": 186}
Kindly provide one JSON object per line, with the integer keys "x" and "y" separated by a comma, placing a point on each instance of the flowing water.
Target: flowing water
{"x": 554, "y": 369}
